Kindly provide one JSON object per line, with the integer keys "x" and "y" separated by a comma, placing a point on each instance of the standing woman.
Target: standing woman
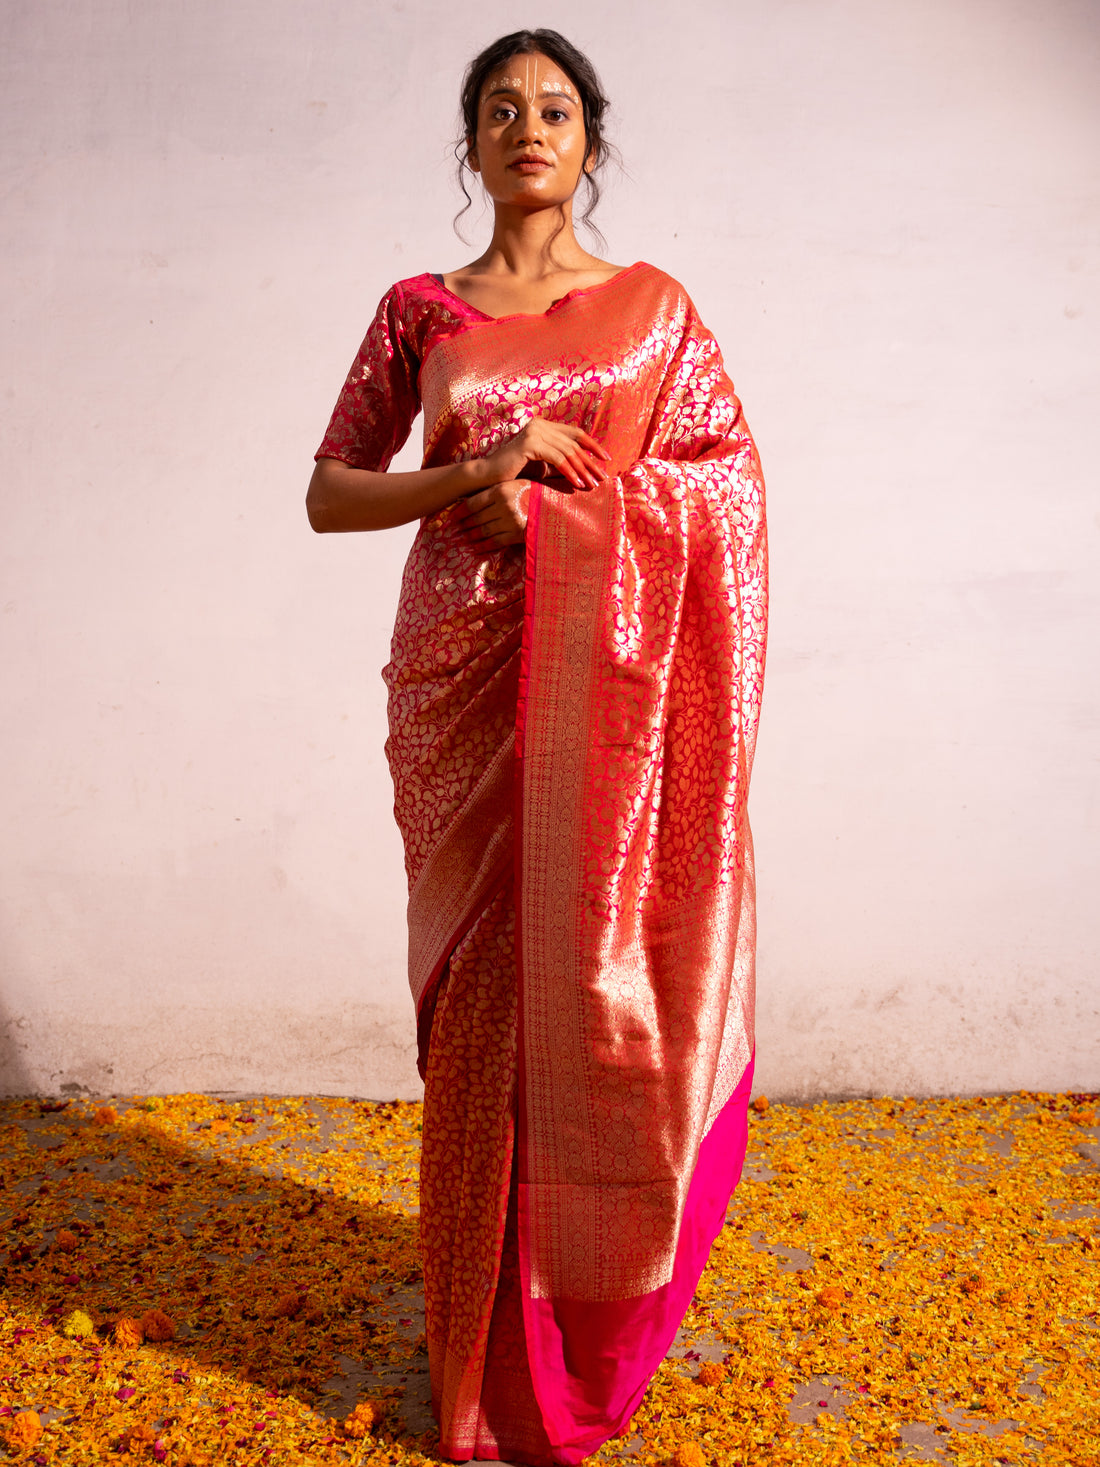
{"x": 573, "y": 699}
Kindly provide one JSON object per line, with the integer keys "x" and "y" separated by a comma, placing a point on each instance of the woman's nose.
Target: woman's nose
{"x": 531, "y": 127}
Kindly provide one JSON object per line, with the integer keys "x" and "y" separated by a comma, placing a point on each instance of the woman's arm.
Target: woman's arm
{"x": 343, "y": 498}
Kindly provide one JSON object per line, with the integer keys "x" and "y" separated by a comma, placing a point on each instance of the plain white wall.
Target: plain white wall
{"x": 886, "y": 211}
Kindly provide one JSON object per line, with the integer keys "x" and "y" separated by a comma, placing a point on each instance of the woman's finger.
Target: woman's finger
{"x": 562, "y": 462}
{"x": 484, "y": 502}
{"x": 474, "y": 502}
{"x": 581, "y": 439}
{"x": 498, "y": 539}
{"x": 595, "y": 468}
{"x": 544, "y": 431}
{"x": 580, "y": 461}
{"x": 497, "y": 520}
{"x": 479, "y": 526}
{"x": 590, "y": 472}
{"x": 579, "y": 474}
{"x": 490, "y": 513}
{"x": 592, "y": 446}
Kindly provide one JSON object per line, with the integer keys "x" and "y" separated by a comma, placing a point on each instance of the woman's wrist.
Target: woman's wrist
{"x": 478, "y": 473}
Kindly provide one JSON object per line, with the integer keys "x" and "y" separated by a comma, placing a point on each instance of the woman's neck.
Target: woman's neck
{"x": 533, "y": 245}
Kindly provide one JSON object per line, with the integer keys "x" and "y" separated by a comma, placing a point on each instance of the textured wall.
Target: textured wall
{"x": 888, "y": 215}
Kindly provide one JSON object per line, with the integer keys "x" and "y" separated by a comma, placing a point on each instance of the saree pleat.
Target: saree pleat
{"x": 481, "y": 1385}
{"x": 572, "y": 725}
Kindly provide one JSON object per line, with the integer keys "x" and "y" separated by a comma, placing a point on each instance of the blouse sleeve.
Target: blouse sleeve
{"x": 375, "y": 410}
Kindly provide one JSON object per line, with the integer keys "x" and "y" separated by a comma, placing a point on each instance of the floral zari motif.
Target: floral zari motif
{"x": 572, "y": 727}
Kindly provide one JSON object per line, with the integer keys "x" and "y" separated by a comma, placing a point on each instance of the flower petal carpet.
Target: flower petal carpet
{"x": 202, "y": 1280}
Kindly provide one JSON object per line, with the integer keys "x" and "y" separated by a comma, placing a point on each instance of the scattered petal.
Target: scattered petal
{"x": 366, "y": 1416}
{"x": 78, "y": 1325}
{"x": 690, "y": 1454}
{"x": 831, "y": 1297}
{"x": 913, "y": 1265}
{"x": 156, "y": 1325}
{"x": 128, "y": 1332}
{"x": 23, "y": 1431}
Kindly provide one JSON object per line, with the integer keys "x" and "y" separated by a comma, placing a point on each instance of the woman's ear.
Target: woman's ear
{"x": 471, "y": 156}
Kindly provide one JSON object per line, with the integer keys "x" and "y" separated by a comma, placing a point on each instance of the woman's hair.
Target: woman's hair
{"x": 581, "y": 73}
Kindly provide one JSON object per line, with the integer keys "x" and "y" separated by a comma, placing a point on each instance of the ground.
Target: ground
{"x": 207, "y": 1280}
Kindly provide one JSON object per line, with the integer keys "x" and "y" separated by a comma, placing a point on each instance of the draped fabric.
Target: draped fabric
{"x": 572, "y": 725}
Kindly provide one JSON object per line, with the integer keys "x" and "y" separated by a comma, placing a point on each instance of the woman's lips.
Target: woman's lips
{"x": 529, "y": 165}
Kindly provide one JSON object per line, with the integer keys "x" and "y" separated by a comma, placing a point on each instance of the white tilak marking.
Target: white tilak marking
{"x": 526, "y": 85}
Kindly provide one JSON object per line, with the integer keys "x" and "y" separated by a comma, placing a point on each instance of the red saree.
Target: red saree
{"x": 571, "y": 732}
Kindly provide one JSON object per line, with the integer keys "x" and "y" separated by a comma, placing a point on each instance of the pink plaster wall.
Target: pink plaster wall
{"x": 887, "y": 212}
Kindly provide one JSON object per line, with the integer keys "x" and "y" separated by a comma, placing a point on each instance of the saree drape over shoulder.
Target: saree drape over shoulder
{"x": 572, "y": 727}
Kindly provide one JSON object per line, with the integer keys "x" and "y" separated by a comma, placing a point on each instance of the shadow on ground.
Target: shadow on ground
{"x": 270, "y": 1279}
{"x": 909, "y": 1280}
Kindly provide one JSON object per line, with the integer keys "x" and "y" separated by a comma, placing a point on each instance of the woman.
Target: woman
{"x": 573, "y": 698}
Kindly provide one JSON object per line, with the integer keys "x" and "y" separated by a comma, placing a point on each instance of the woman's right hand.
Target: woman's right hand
{"x": 574, "y": 453}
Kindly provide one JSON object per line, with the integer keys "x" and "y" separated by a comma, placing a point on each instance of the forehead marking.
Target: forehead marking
{"x": 525, "y": 85}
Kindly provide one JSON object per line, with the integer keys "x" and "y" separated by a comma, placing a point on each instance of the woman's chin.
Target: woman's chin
{"x": 530, "y": 191}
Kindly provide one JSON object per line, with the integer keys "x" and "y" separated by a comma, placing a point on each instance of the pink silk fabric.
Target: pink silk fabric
{"x": 572, "y": 726}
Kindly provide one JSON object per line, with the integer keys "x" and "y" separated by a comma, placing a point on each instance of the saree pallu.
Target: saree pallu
{"x": 572, "y": 726}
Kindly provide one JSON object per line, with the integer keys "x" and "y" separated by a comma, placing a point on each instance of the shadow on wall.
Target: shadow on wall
{"x": 15, "y": 1076}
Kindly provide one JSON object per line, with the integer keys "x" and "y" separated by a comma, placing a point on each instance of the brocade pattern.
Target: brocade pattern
{"x": 624, "y": 652}
{"x": 481, "y": 1390}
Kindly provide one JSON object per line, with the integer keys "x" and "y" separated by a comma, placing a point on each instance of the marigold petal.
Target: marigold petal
{"x": 364, "y": 1418}
{"x": 156, "y": 1325}
{"x": 24, "y": 1430}
{"x": 128, "y": 1332}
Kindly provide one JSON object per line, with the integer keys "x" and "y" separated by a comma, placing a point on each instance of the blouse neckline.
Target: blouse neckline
{"x": 554, "y": 305}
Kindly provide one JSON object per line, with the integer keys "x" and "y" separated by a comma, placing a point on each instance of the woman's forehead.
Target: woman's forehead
{"x": 530, "y": 76}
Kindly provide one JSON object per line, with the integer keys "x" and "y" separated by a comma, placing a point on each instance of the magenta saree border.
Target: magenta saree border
{"x": 591, "y": 1362}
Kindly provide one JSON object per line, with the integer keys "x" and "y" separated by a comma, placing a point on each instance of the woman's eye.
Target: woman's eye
{"x": 555, "y": 114}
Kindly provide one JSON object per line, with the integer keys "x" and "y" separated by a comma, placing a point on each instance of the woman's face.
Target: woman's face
{"x": 530, "y": 143}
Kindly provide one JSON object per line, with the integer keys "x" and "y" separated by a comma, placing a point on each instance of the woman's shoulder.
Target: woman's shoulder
{"x": 654, "y": 273}
{"x": 409, "y": 289}
{"x": 426, "y": 287}
{"x": 416, "y": 310}
{"x": 661, "y": 284}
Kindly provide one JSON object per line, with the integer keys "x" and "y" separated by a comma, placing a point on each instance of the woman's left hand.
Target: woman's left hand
{"x": 497, "y": 516}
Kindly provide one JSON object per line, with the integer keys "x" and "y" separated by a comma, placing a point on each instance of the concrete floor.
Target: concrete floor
{"x": 319, "y": 1133}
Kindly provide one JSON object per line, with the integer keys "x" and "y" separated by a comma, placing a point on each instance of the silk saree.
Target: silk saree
{"x": 572, "y": 725}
